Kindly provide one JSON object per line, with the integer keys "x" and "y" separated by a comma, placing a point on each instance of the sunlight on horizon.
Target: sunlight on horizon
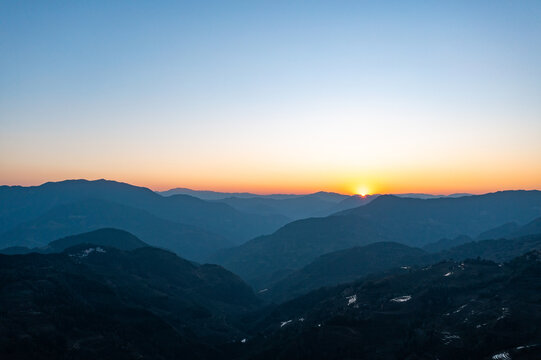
{"x": 363, "y": 190}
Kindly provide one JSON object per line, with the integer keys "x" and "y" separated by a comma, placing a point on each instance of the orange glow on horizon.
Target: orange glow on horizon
{"x": 363, "y": 190}
{"x": 431, "y": 180}
{"x": 294, "y": 188}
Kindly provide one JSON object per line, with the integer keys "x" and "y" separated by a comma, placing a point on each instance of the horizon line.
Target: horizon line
{"x": 154, "y": 189}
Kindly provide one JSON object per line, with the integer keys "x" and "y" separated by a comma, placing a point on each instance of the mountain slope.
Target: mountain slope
{"x": 87, "y": 215}
{"x": 294, "y": 246}
{"x": 94, "y": 301}
{"x": 418, "y": 221}
{"x": 499, "y": 250}
{"x": 508, "y": 230}
{"x": 351, "y": 264}
{"x": 21, "y": 204}
{"x": 531, "y": 228}
{"x": 344, "y": 266}
{"x": 498, "y": 232}
{"x": 450, "y": 310}
{"x": 444, "y": 244}
{"x": 53, "y": 308}
{"x": 414, "y": 222}
{"x": 294, "y": 208}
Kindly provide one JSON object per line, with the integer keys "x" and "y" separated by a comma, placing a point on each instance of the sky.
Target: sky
{"x": 273, "y": 96}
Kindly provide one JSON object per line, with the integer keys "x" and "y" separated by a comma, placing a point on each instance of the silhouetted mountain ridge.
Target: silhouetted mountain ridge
{"x": 414, "y": 222}
{"x": 22, "y": 204}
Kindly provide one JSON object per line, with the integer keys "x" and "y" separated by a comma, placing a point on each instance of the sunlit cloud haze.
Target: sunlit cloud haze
{"x": 273, "y": 96}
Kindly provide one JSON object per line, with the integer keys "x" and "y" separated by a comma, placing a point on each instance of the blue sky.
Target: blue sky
{"x": 273, "y": 96}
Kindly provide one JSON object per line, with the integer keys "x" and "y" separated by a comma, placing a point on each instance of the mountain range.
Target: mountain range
{"x": 216, "y": 195}
{"x": 101, "y": 269}
{"x": 292, "y": 206}
{"x": 353, "y": 263}
{"x": 194, "y": 228}
{"x": 413, "y": 222}
{"x": 107, "y": 295}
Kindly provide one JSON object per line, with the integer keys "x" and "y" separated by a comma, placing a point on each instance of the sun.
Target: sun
{"x": 363, "y": 190}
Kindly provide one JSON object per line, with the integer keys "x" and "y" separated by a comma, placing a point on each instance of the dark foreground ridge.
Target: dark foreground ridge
{"x": 99, "y": 302}
{"x": 474, "y": 309}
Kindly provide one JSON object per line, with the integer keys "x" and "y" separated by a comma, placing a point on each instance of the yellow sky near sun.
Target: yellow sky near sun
{"x": 330, "y": 148}
{"x": 472, "y": 178}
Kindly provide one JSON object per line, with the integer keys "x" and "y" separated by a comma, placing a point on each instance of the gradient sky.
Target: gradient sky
{"x": 274, "y": 96}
